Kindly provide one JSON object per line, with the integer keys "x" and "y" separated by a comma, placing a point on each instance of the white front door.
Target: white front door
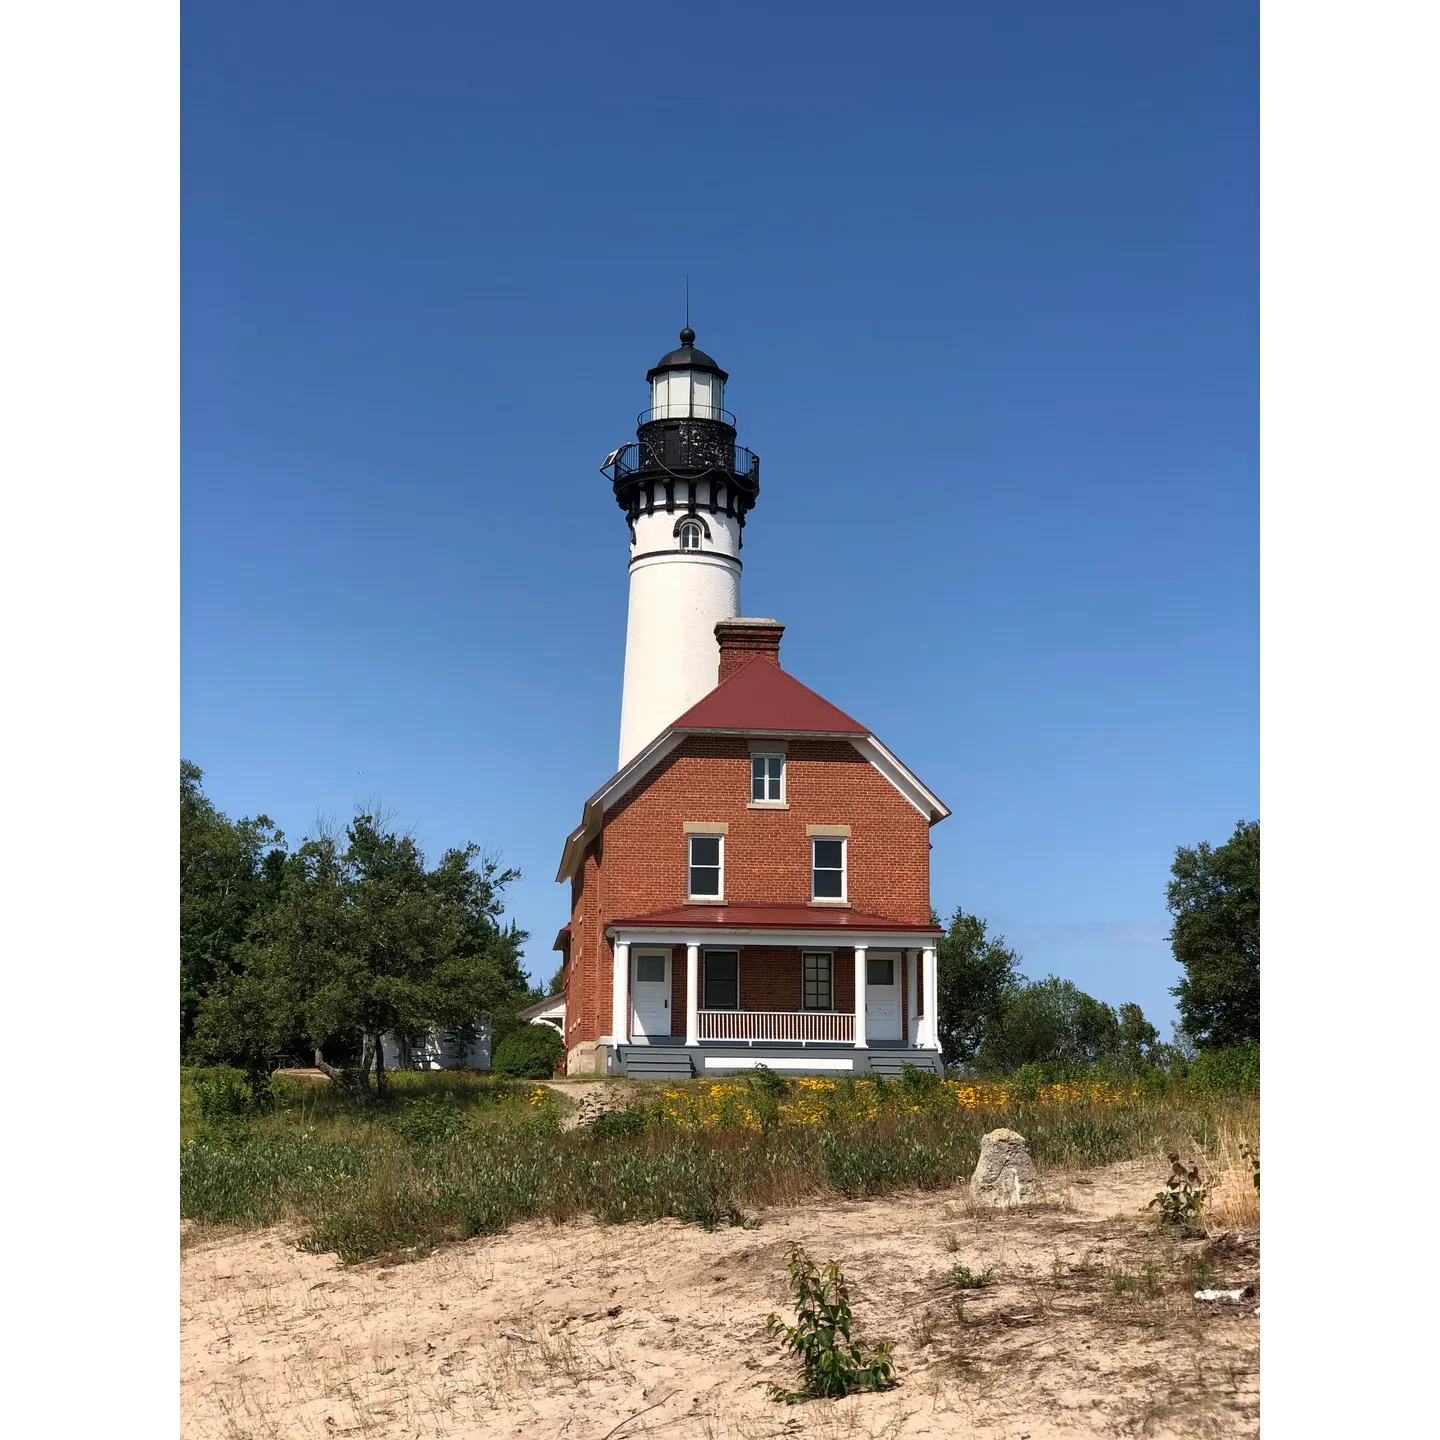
{"x": 650, "y": 993}
{"x": 882, "y": 996}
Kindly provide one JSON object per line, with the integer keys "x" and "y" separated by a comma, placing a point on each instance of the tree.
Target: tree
{"x": 230, "y": 871}
{"x": 1054, "y": 1022}
{"x": 1215, "y": 899}
{"x": 1136, "y": 1040}
{"x": 364, "y": 940}
{"x": 978, "y": 974}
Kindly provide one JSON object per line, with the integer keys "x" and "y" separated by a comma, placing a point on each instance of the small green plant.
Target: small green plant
{"x": 430, "y": 1120}
{"x": 1199, "y": 1272}
{"x": 1253, "y": 1156}
{"x": 762, "y": 1080}
{"x": 832, "y": 1363}
{"x": 616, "y": 1124}
{"x": 968, "y": 1279}
{"x": 917, "y": 1083}
{"x": 1179, "y": 1203}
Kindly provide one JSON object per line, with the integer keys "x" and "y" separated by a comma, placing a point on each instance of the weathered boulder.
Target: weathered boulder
{"x": 1005, "y": 1173}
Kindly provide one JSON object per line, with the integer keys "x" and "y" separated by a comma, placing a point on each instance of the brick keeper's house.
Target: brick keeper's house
{"x": 753, "y": 883}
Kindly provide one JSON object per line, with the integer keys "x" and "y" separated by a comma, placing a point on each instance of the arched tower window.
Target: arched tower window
{"x": 689, "y": 532}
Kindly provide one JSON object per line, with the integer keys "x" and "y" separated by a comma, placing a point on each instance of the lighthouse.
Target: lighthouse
{"x": 685, "y": 488}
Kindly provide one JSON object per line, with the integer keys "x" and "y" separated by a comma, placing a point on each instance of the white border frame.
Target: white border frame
{"x": 690, "y": 838}
{"x": 704, "y": 961}
{"x": 843, "y": 898}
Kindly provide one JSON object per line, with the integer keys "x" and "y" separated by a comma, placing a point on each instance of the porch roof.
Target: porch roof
{"x": 768, "y": 917}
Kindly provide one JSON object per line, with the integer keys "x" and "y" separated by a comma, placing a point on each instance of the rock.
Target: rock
{"x": 1005, "y": 1174}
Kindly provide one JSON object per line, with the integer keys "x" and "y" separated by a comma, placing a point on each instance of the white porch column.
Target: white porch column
{"x": 912, "y": 997}
{"x": 692, "y": 994}
{"x": 620, "y": 997}
{"x": 932, "y": 1000}
{"x": 860, "y": 1036}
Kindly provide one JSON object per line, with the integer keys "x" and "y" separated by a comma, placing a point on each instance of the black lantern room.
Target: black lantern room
{"x": 684, "y": 456}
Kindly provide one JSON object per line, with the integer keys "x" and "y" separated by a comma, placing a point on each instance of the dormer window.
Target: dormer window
{"x": 767, "y": 778}
{"x": 690, "y": 535}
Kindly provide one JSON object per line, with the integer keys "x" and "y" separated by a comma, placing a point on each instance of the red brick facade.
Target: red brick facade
{"x": 638, "y": 864}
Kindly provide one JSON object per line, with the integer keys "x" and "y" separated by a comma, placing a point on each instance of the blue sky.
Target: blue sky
{"x": 985, "y": 280}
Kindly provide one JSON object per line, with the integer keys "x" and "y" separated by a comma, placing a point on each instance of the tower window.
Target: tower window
{"x": 827, "y": 869}
{"x": 767, "y": 777}
{"x": 690, "y": 535}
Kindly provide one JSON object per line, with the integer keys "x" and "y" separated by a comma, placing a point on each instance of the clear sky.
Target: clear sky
{"x": 985, "y": 279}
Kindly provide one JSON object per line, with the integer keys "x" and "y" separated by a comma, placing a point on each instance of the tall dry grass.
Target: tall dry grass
{"x": 1234, "y": 1202}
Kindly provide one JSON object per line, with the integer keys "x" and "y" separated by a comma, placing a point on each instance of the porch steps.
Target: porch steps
{"x": 656, "y": 1062}
{"x": 891, "y": 1062}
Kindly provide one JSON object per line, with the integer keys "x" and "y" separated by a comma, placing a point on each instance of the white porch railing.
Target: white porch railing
{"x": 792, "y": 1025}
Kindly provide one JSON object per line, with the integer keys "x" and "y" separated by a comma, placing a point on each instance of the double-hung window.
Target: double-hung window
{"x": 819, "y": 988}
{"x": 827, "y": 869}
{"x": 707, "y": 867}
{"x": 767, "y": 778}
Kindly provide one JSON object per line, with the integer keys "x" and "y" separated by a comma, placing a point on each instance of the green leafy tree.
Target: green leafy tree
{"x": 1137, "y": 1041}
{"x": 978, "y": 976}
{"x": 1051, "y": 1022}
{"x": 230, "y": 871}
{"x": 365, "y": 940}
{"x": 1215, "y": 899}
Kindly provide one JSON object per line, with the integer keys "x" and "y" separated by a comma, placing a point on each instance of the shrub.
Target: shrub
{"x": 428, "y": 1121}
{"x": 831, "y": 1363}
{"x": 617, "y": 1124}
{"x": 224, "y": 1093}
{"x": 529, "y": 1053}
{"x": 1231, "y": 1071}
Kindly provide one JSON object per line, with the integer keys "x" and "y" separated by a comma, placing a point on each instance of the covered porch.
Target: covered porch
{"x": 797, "y": 988}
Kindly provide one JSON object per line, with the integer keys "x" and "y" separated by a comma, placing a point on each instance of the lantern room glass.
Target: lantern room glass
{"x": 687, "y": 394}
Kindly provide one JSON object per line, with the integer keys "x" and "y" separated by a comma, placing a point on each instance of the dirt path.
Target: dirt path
{"x": 1087, "y": 1328}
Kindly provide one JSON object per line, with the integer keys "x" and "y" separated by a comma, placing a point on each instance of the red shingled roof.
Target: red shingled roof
{"x": 761, "y": 696}
{"x": 769, "y": 917}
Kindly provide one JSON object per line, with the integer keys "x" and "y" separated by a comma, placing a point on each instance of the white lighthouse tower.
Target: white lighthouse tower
{"x": 685, "y": 487}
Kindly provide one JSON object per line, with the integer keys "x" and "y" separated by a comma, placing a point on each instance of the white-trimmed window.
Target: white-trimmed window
{"x": 827, "y": 868}
{"x": 690, "y": 535}
{"x": 721, "y": 990}
{"x": 767, "y": 778}
{"x": 818, "y": 983}
{"x": 707, "y": 867}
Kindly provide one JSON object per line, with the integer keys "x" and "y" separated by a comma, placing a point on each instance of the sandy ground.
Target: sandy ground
{"x": 658, "y": 1330}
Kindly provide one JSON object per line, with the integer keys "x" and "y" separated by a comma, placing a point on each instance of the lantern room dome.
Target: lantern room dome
{"x": 687, "y": 357}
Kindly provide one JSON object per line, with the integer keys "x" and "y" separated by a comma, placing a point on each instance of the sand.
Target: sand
{"x": 659, "y": 1330}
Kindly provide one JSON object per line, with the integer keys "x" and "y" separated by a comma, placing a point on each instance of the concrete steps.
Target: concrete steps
{"x": 891, "y": 1062}
{"x": 656, "y": 1062}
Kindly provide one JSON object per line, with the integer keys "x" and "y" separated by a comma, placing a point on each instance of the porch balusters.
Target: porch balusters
{"x": 620, "y": 996}
{"x": 692, "y": 994}
{"x": 860, "y": 1037}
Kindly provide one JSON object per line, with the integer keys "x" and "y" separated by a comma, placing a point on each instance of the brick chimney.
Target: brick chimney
{"x": 742, "y": 641}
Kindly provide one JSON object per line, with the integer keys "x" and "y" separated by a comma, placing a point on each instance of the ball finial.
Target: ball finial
{"x": 687, "y": 336}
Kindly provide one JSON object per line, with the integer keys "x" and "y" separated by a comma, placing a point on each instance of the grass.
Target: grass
{"x": 456, "y": 1154}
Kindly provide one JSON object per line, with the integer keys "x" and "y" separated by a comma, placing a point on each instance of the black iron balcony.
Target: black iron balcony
{"x": 682, "y": 451}
{"x": 685, "y": 410}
